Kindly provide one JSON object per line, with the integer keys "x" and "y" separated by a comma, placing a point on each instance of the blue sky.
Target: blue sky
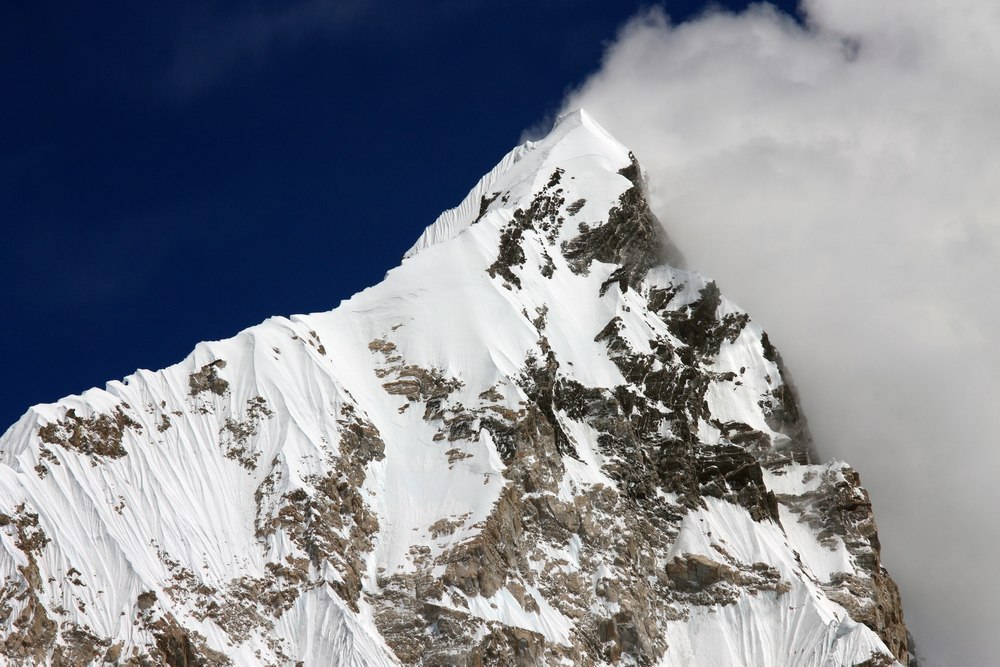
{"x": 171, "y": 174}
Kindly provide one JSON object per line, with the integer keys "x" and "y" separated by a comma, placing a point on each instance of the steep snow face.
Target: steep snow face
{"x": 537, "y": 441}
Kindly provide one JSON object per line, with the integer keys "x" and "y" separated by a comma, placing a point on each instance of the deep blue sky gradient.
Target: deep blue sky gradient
{"x": 176, "y": 172}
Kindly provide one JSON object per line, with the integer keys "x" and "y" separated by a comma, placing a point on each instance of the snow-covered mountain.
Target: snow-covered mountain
{"x": 538, "y": 441}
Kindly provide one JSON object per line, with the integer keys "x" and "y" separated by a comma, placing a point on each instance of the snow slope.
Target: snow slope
{"x": 535, "y": 442}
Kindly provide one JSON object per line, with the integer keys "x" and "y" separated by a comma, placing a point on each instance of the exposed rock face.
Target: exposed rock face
{"x": 839, "y": 510}
{"x": 538, "y": 442}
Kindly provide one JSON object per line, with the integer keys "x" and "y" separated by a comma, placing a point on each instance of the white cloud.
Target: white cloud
{"x": 841, "y": 180}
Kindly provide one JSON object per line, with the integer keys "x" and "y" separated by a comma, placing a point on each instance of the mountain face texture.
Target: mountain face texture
{"x": 537, "y": 442}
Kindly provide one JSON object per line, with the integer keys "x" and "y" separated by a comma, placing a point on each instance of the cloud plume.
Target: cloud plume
{"x": 838, "y": 175}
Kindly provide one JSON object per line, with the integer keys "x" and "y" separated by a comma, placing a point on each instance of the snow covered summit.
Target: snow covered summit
{"x": 575, "y": 136}
{"x": 536, "y": 442}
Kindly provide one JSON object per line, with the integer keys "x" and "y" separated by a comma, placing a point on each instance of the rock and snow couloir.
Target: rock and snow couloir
{"x": 537, "y": 441}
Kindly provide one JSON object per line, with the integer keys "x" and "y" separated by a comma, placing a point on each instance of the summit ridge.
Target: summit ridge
{"x": 574, "y": 135}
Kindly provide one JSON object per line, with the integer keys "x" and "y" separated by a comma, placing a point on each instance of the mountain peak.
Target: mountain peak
{"x": 574, "y": 138}
{"x": 582, "y": 120}
{"x": 537, "y": 441}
